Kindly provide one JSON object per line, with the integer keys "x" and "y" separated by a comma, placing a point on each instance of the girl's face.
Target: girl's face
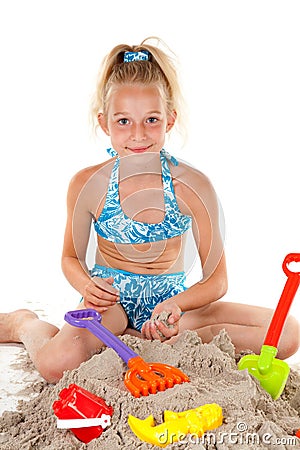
{"x": 137, "y": 119}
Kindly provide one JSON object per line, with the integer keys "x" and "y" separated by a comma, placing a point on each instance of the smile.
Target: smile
{"x": 138, "y": 149}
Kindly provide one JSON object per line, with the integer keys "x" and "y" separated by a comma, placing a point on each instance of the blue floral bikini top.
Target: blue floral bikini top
{"x": 115, "y": 226}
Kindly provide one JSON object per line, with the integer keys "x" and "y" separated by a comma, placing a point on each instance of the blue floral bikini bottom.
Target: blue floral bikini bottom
{"x": 140, "y": 293}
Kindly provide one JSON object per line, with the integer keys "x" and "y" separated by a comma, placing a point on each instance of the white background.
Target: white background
{"x": 240, "y": 71}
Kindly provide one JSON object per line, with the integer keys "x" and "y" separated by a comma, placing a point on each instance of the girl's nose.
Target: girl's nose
{"x": 138, "y": 132}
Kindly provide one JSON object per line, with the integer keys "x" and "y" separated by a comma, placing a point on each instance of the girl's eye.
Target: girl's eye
{"x": 152, "y": 120}
{"x": 123, "y": 121}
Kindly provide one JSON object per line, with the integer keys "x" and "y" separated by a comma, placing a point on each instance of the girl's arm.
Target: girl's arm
{"x": 200, "y": 197}
{"x": 97, "y": 293}
{"x": 202, "y": 292}
{"x": 78, "y": 224}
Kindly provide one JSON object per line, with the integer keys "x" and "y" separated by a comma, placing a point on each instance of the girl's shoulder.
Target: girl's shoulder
{"x": 98, "y": 173}
{"x": 193, "y": 186}
{"x": 191, "y": 176}
{"x": 89, "y": 185}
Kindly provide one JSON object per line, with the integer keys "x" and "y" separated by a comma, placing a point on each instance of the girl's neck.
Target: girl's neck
{"x": 142, "y": 164}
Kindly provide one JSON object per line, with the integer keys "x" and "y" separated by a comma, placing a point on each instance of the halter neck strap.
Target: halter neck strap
{"x": 112, "y": 152}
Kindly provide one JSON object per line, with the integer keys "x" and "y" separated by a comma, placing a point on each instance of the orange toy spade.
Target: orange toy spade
{"x": 271, "y": 372}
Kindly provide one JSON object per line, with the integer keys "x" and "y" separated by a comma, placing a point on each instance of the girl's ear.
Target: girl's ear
{"x": 103, "y": 123}
{"x": 171, "y": 120}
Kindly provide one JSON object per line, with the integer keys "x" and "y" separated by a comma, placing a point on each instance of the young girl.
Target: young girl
{"x": 142, "y": 202}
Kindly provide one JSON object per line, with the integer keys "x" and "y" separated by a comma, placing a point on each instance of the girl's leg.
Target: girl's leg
{"x": 52, "y": 350}
{"x": 246, "y": 325}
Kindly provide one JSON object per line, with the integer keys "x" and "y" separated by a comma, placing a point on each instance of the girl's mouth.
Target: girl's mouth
{"x": 139, "y": 149}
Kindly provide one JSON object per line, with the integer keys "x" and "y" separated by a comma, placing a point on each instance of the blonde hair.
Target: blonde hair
{"x": 159, "y": 70}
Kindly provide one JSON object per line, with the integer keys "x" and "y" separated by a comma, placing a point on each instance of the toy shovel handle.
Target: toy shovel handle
{"x": 285, "y": 301}
{"x": 90, "y": 319}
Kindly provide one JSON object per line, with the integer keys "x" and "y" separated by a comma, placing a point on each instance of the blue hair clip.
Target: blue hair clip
{"x": 142, "y": 55}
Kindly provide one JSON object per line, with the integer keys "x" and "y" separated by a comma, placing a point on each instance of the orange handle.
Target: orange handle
{"x": 285, "y": 301}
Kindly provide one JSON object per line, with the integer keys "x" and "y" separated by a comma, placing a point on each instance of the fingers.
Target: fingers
{"x": 174, "y": 317}
{"x": 105, "y": 284}
{"x": 166, "y": 331}
{"x": 149, "y": 331}
{"x": 157, "y": 330}
{"x": 100, "y": 294}
{"x": 100, "y": 309}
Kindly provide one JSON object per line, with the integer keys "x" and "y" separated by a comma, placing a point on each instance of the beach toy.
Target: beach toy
{"x": 142, "y": 378}
{"x": 84, "y": 413}
{"x": 176, "y": 425}
{"x": 271, "y": 372}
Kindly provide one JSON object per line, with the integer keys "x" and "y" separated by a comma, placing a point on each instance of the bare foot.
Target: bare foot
{"x": 11, "y": 323}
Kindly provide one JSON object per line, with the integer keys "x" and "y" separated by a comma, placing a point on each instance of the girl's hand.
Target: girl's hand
{"x": 99, "y": 294}
{"x": 156, "y": 329}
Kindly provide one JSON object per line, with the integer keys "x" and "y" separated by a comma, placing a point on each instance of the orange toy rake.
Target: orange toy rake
{"x": 142, "y": 378}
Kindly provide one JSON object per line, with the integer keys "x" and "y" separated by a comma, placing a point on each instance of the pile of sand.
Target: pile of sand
{"x": 251, "y": 418}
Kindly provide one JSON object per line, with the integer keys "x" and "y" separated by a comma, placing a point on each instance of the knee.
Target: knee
{"x": 52, "y": 366}
{"x": 290, "y": 342}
